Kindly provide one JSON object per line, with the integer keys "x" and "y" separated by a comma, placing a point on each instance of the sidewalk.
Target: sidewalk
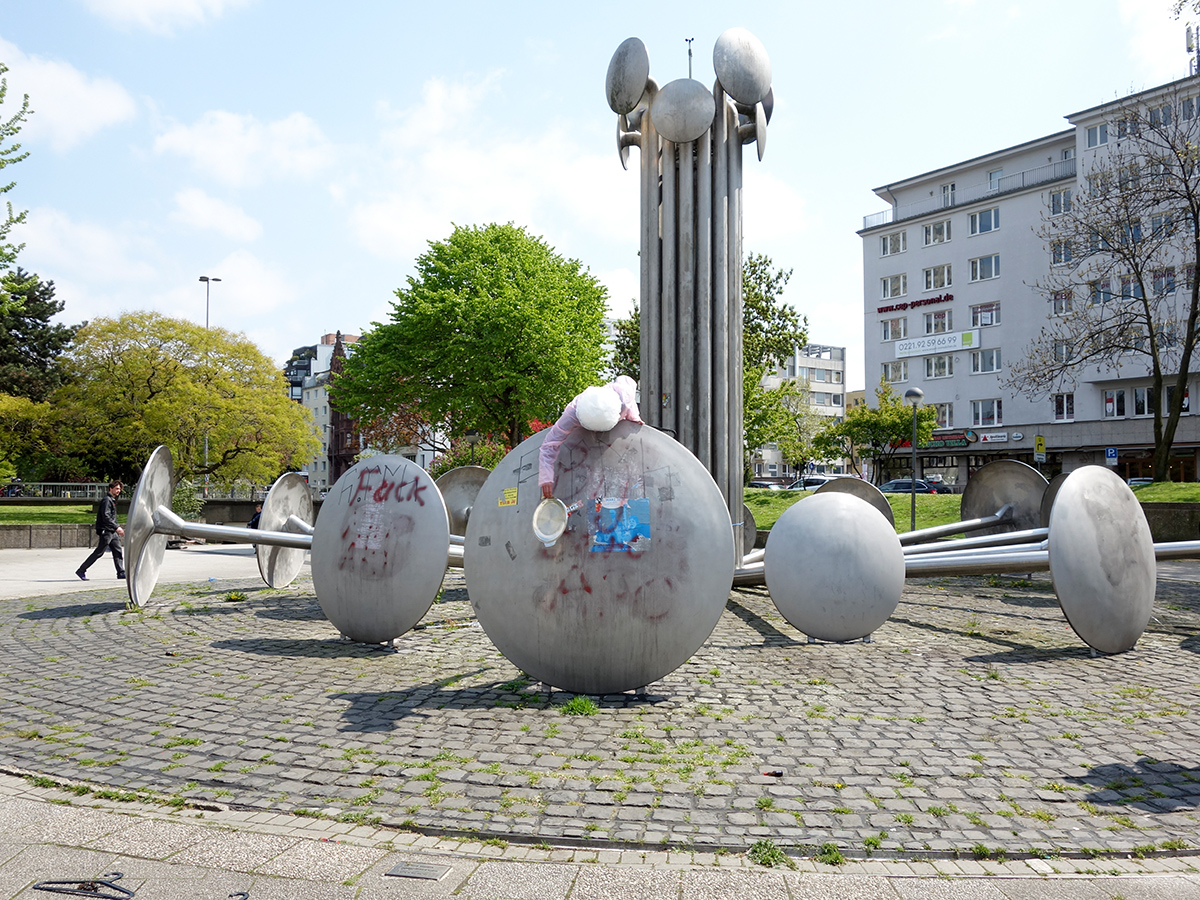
{"x": 175, "y": 744}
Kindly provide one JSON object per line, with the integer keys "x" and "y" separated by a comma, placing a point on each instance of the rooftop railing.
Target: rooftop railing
{"x": 1006, "y": 184}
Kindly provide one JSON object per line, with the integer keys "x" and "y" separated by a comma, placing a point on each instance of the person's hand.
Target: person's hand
{"x": 120, "y": 531}
{"x": 548, "y": 491}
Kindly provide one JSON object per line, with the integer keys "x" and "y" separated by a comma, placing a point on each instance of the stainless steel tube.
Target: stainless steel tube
{"x": 167, "y": 522}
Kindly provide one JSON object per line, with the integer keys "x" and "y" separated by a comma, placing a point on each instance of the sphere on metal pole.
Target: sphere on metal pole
{"x": 914, "y": 396}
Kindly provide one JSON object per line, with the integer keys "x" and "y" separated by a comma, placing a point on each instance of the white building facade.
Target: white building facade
{"x": 951, "y": 299}
{"x": 823, "y": 369}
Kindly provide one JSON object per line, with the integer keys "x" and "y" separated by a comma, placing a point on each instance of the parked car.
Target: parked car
{"x": 768, "y": 485}
{"x": 905, "y": 486}
{"x": 1136, "y": 482}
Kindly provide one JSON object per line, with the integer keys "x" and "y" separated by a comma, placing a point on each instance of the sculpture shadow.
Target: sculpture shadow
{"x": 75, "y": 611}
{"x": 1148, "y": 786}
{"x": 375, "y": 711}
{"x": 309, "y": 648}
{"x": 772, "y": 636}
{"x": 1191, "y": 644}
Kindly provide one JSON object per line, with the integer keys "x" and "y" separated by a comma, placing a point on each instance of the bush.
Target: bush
{"x": 185, "y": 503}
{"x": 488, "y": 454}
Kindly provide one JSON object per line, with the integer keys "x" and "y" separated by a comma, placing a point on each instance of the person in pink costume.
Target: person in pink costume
{"x": 626, "y": 390}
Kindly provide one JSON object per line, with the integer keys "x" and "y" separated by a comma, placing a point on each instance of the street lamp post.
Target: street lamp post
{"x": 207, "y": 285}
{"x": 472, "y": 437}
{"x": 914, "y": 396}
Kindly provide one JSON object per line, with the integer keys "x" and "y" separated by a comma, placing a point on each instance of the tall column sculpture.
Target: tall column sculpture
{"x": 690, "y": 141}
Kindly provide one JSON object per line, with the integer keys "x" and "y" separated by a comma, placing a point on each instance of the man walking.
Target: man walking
{"x": 110, "y": 533}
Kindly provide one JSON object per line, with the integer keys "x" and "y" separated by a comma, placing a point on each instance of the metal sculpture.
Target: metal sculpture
{"x": 379, "y": 549}
{"x": 459, "y": 489}
{"x": 632, "y": 587}
{"x": 863, "y": 490}
{"x": 691, "y": 242}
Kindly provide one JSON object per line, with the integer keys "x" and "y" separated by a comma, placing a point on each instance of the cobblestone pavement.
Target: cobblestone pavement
{"x": 975, "y": 725}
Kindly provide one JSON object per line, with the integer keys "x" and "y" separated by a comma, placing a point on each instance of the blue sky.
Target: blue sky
{"x": 304, "y": 152}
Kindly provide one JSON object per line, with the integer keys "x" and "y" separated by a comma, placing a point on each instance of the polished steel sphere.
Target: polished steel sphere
{"x": 682, "y": 110}
{"x": 635, "y": 584}
{"x": 628, "y": 72}
{"x": 742, "y": 66}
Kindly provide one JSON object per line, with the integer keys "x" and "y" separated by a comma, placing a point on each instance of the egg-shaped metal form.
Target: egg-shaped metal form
{"x": 682, "y": 110}
{"x": 628, "y": 71}
{"x": 742, "y": 66}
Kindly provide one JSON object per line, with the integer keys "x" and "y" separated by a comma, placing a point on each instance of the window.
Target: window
{"x": 1100, "y": 291}
{"x": 1099, "y": 183}
{"x": 1160, "y": 115}
{"x": 836, "y": 399}
{"x": 896, "y": 371}
{"x": 986, "y": 412}
{"x": 895, "y": 286}
{"x": 945, "y": 415}
{"x": 837, "y": 376}
{"x": 939, "y": 366}
{"x": 1143, "y": 401}
{"x": 994, "y": 177}
{"x": 1068, "y": 153}
{"x": 985, "y": 361}
{"x": 985, "y": 314}
{"x": 1114, "y": 404}
{"x": 1129, "y": 177}
{"x": 1131, "y": 288}
{"x": 937, "y": 233}
{"x": 1097, "y": 242}
{"x": 1060, "y": 253}
{"x": 1132, "y": 231}
{"x": 939, "y": 322}
{"x": 1060, "y": 202}
{"x": 985, "y": 267}
{"x": 1097, "y": 135}
{"x": 1127, "y": 126}
{"x": 937, "y": 278}
{"x": 894, "y": 243}
{"x": 983, "y": 222}
{"x": 1186, "y": 399}
{"x": 1062, "y": 352}
{"x": 1189, "y": 107}
{"x": 1062, "y": 302}
{"x": 1164, "y": 282}
{"x": 948, "y": 194}
{"x": 1161, "y": 224}
{"x": 895, "y": 329}
{"x": 1064, "y": 407}
{"x": 816, "y": 374}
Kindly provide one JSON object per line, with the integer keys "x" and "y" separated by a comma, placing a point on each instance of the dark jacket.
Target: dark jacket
{"x": 106, "y": 515}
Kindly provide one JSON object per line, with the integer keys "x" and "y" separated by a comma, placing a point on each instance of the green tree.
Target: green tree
{"x": 877, "y": 432}
{"x": 493, "y": 331}
{"x": 10, "y": 154}
{"x": 798, "y": 447}
{"x": 145, "y": 379}
{"x": 771, "y": 329}
{"x": 627, "y": 342}
{"x": 30, "y": 346}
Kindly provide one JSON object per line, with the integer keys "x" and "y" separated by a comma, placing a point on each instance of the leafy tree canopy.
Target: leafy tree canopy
{"x": 771, "y": 329}
{"x": 877, "y": 432}
{"x": 627, "y": 343}
{"x": 10, "y": 154}
{"x": 145, "y": 379}
{"x": 30, "y": 345}
{"x": 494, "y": 329}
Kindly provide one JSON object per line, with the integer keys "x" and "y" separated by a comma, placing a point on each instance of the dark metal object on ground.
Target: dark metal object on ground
{"x": 83, "y": 887}
{"x": 423, "y": 871}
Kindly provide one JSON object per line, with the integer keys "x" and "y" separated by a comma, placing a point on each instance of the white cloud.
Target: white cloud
{"x": 444, "y": 107}
{"x": 249, "y": 288}
{"x": 68, "y": 106}
{"x": 241, "y": 150}
{"x": 56, "y": 246}
{"x": 1155, "y": 41}
{"x": 161, "y": 16}
{"x": 195, "y": 208}
{"x": 624, "y": 291}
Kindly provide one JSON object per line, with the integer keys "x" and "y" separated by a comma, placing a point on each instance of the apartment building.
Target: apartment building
{"x": 956, "y": 275}
{"x": 823, "y": 369}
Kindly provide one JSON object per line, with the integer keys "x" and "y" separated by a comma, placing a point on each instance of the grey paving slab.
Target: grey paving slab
{"x": 1163, "y": 887}
{"x": 813, "y": 886}
{"x": 242, "y": 851}
{"x": 321, "y": 861}
{"x": 937, "y": 889}
{"x": 520, "y": 881}
{"x": 151, "y": 838}
{"x": 717, "y": 884}
{"x": 1060, "y": 888}
{"x": 374, "y": 884}
{"x": 596, "y": 883}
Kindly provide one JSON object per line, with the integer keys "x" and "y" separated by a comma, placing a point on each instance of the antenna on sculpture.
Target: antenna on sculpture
{"x": 689, "y": 43}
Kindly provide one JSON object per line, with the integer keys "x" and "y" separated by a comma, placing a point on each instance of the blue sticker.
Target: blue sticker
{"x": 617, "y": 525}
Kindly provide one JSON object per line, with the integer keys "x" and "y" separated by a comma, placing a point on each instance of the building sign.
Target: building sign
{"x": 1039, "y": 449}
{"x": 951, "y": 441}
{"x": 937, "y": 343}
{"x": 940, "y": 298}
{"x": 995, "y": 437}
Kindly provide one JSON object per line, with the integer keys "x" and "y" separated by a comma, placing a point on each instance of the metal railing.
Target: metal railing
{"x": 1018, "y": 181}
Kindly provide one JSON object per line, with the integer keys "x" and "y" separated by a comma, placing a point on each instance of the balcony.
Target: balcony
{"x": 1007, "y": 184}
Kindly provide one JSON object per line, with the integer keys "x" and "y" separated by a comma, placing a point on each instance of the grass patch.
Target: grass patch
{"x": 580, "y": 706}
{"x": 830, "y": 854}
{"x": 765, "y": 853}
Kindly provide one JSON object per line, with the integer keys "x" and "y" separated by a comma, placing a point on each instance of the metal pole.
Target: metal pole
{"x": 914, "y": 396}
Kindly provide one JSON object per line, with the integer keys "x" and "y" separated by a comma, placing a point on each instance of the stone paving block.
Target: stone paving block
{"x": 520, "y": 881}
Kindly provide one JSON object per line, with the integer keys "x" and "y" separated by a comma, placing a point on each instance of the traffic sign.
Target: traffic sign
{"x": 1039, "y": 449}
{"x": 1110, "y": 456}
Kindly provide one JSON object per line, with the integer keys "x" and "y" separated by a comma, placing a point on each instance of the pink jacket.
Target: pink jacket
{"x": 626, "y": 389}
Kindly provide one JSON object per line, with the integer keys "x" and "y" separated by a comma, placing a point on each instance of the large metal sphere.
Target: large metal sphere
{"x": 379, "y": 549}
{"x": 1001, "y": 482}
{"x": 863, "y": 490}
{"x": 834, "y": 567}
{"x": 683, "y": 110}
{"x": 628, "y": 72}
{"x": 290, "y": 495}
{"x": 1102, "y": 559}
{"x": 632, "y": 588}
{"x": 742, "y": 66}
{"x": 1049, "y": 497}
{"x": 143, "y": 547}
